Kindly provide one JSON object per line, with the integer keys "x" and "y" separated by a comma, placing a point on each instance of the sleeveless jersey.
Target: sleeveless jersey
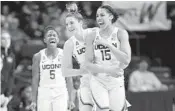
{"x": 104, "y": 56}
{"x": 79, "y": 50}
{"x": 79, "y": 55}
{"x": 50, "y": 70}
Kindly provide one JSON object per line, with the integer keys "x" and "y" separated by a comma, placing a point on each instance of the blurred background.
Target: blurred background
{"x": 151, "y": 28}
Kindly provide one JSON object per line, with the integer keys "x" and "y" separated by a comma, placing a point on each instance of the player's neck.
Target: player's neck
{"x": 107, "y": 31}
{"x": 51, "y": 51}
{"x": 79, "y": 36}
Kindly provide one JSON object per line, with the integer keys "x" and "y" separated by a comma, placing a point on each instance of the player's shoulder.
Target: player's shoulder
{"x": 69, "y": 42}
{"x": 36, "y": 56}
{"x": 90, "y": 34}
{"x": 94, "y": 29}
{"x": 121, "y": 30}
{"x": 122, "y": 33}
{"x": 60, "y": 50}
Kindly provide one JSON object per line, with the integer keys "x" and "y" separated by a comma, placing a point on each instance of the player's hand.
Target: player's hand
{"x": 71, "y": 105}
{"x": 115, "y": 72}
{"x": 32, "y": 106}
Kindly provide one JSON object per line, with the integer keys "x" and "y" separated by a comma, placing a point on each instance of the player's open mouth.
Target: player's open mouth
{"x": 71, "y": 30}
{"x": 101, "y": 23}
{"x": 52, "y": 41}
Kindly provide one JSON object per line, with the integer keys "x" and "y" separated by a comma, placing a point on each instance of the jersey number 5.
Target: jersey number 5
{"x": 52, "y": 74}
{"x": 106, "y": 55}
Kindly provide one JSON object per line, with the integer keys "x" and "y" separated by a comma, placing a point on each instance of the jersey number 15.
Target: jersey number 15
{"x": 106, "y": 55}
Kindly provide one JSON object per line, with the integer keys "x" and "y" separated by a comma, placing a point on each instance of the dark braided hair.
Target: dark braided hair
{"x": 112, "y": 11}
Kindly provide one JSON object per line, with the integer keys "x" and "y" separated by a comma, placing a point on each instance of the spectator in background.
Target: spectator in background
{"x": 33, "y": 25}
{"x": 89, "y": 12}
{"x": 30, "y": 11}
{"x": 53, "y": 10}
{"x": 32, "y": 29}
{"x": 8, "y": 64}
{"x": 24, "y": 15}
{"x": 16, "y": 33}
{"x": 22, "y": 100}
{"x": 6, "y": 16}
{"x": 142, "y": 79}
{"x": 18, "y": 37}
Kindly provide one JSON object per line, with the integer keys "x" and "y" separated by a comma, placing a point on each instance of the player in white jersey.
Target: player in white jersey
{"x": 48, "y": 85}
{"x": 75, "y": 47}
{"x": 108, "y": 45}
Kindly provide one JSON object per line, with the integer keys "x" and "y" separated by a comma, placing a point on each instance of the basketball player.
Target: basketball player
{"x": 107, "y": 45}
{"x": 48, "y": 85}
{"x": 75, "y": 46}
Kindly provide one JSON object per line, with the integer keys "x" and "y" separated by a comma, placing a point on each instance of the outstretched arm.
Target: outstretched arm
{"x": 67, "y": 67}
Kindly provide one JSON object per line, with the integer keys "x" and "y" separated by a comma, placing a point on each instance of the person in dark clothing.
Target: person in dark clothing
{"x": 22, "y": 100}
{"x": 7, "y": 64}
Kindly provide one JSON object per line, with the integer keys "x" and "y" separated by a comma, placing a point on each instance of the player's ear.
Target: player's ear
{"x": 81, "y": 23}
{"x": 58, "y": 40}
{"x": 44, "y": 40}
{"x": 111, "y": 17}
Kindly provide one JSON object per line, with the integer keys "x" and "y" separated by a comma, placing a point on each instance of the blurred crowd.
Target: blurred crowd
{"x": 22, "y": 25}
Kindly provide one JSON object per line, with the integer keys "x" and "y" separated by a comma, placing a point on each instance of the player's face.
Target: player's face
{"x": 103, "y": 18}
{"x": 73, "y": 25}
{"x": 51, "y": 38}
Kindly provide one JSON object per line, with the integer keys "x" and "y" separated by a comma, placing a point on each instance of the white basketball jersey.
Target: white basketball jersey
{"x": 79, "y": 50}
{"x": 104, "y": 56}
{"x": 79, "y": 55}
{"x": 50, "y": 70}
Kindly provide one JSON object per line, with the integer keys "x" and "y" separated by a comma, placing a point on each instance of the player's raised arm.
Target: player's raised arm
{"x": 67, "y": 67}
{"x": 35, "y": 76}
